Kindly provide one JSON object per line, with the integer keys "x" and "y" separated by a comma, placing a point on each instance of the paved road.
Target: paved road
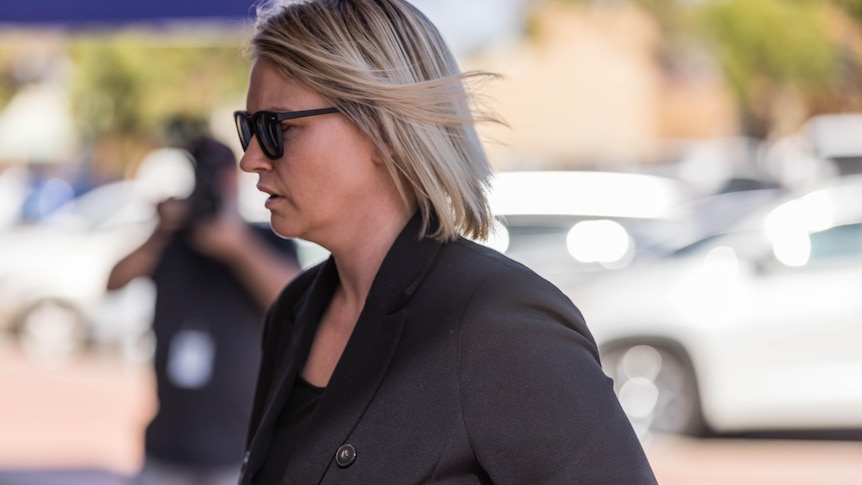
{"x": 82, "y": 424}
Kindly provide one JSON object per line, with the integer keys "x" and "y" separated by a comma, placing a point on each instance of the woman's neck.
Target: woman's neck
{"x": 357, "y": 266}
{"x": 359, "y": 260}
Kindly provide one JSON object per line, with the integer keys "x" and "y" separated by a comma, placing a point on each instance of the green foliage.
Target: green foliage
{"x": 852, "y": 7}
{"x": 768, "y": 48}
{"x": 130, "y": 85}
{"x": 765, "y": 43}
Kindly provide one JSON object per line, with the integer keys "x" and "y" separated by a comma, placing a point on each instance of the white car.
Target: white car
{"x": 570, "y": 225}
{"x": 53, "y": 273}
{"x": 755, "y": 329}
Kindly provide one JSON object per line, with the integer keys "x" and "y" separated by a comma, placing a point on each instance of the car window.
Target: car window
{"x": 836, "y": 242}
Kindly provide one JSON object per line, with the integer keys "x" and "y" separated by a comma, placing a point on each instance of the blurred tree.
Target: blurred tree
{"x": 129, "y": 85}
{"x": 784, "y": 59}
{"x": 774, "y": 53}
{"x": 852, "y": 7}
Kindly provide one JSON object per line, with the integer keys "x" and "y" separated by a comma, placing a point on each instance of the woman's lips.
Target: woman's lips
{"x": 271, "y": 201}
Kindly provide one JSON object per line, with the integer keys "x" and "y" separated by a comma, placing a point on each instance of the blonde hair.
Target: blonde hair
{"x": 387, "y": 68}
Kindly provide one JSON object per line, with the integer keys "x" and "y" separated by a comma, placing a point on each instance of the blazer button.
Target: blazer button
{"x": 244, "y": 462}
{"x": 345, "y": 456}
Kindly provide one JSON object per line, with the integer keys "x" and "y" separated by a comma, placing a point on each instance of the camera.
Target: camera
{"x": 211, "y": 158}
{"x": 206, "y": 199}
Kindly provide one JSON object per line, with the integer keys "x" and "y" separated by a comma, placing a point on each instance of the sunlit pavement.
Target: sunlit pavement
{"x": 757, "y": 462}
{"x": 82, "y": 424}
{"x": 76, "y": 423}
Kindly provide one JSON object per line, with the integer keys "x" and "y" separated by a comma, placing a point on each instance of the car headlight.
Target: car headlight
{"x": 601, "y": 241}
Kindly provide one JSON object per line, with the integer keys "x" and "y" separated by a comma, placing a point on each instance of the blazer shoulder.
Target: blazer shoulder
{"x": 499, "y": 295}
{"x": 529, "y": 374}
{"x": 493, "y": 270}
{"x": 475, "y": 256}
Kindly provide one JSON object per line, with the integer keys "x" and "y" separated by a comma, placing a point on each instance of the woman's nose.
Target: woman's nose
{"x": 254, "y": 160}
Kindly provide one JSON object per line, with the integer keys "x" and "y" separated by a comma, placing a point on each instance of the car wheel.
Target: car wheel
{"x": 656, "y": 387}
{"x": 51, "y": 331}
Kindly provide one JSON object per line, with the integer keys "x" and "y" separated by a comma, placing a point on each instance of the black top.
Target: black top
{"x": 288, "y": 429}
{"x": 207, "y": 327}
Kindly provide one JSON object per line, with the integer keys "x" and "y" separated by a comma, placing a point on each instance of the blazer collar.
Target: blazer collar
{"x": 368, "y": 353}
{"x": 302, "y": 321}
{"x": 403, "y": 268}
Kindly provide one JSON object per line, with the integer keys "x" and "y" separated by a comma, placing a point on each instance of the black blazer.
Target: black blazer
{"x": 464, "y": 368}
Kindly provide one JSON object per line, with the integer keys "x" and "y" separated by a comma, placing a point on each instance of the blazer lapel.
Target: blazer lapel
{"x": 350, "y": 390}
{"x": 366, "y": 358}
{"x": 305, "y": 319}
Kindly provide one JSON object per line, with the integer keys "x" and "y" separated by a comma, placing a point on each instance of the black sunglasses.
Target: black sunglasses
{"x": 266, "y": 125}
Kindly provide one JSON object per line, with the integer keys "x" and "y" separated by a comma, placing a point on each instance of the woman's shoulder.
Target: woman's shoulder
{"x": 503, "y": 292}
{"x": 473, "y": 260}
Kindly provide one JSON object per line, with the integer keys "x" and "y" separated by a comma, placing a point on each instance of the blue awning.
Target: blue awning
{"x": 111, "y": 12}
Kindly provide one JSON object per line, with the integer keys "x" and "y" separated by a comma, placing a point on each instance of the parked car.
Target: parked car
{"x": 570, "y": 225}
{"x": 756, "y": 328}
{"x": 53, "y": 273}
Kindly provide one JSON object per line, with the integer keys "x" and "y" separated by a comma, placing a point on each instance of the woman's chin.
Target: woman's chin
{"x": 282, "y": 226}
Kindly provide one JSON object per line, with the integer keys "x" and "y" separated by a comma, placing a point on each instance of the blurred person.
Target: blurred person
{"x": 214, "y": 274}
{"x": 413, "y": 354}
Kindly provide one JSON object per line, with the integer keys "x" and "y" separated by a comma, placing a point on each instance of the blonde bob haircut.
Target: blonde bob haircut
{"x": 388, "y": 70}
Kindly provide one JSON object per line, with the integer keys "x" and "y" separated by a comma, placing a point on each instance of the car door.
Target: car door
{"x": 794, "y": 339}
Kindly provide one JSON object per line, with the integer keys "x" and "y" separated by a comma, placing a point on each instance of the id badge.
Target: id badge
{"x": 190, "y": 359}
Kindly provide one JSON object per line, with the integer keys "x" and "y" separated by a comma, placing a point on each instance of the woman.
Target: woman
{"x": 412, "y": 355}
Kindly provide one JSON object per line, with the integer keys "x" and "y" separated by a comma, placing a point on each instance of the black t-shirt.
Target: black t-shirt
{"x": 288, "y": 429}
{"x": 207, "y": 327}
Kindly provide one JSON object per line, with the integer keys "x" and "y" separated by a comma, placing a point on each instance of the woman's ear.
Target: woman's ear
{"x": 379, "y": 157}
{"x": 384, "y": 150}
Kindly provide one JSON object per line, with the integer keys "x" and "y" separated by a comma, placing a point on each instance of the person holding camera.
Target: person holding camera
{"x": 215, "y": 274}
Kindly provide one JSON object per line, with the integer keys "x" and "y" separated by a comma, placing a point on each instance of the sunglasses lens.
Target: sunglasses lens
{"x": 269, "y": 133}
{"x": 243, "y": 129}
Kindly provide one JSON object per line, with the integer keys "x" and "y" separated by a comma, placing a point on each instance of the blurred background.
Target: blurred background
{"x": 688, "y": 172}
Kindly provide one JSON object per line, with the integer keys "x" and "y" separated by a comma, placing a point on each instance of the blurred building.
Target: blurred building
{"x": 588, "y": 87}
